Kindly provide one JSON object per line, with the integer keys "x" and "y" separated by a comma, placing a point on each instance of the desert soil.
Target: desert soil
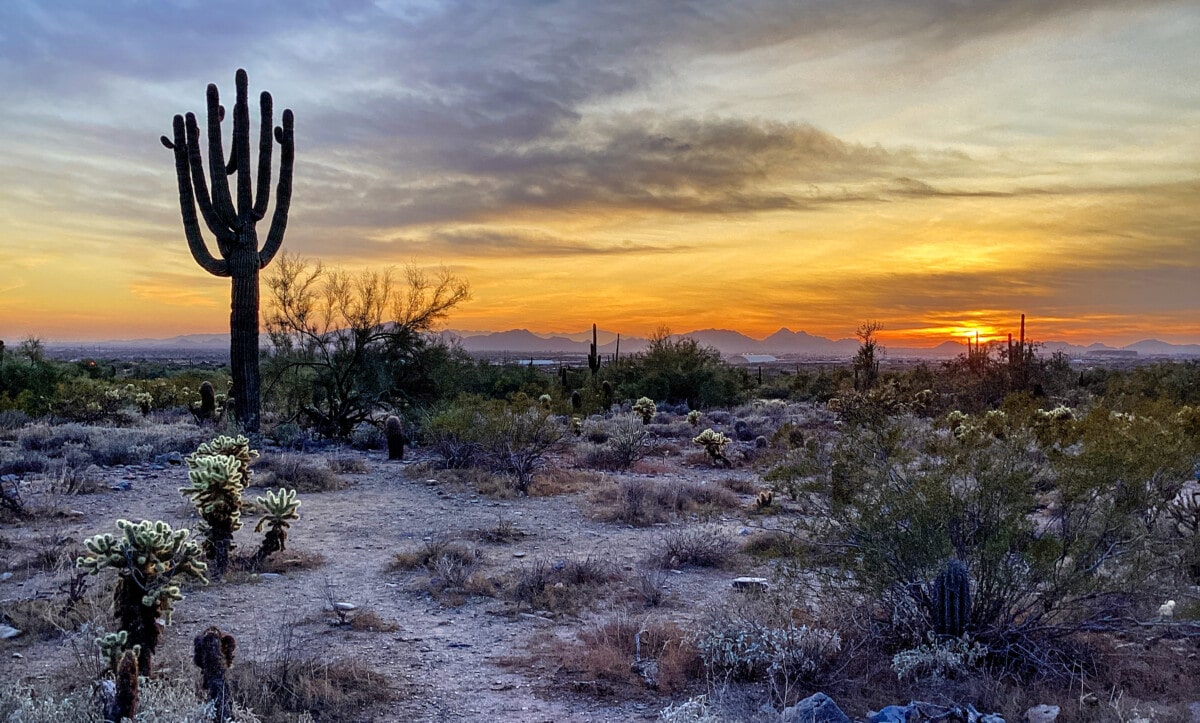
{"x": 476, "y": 661}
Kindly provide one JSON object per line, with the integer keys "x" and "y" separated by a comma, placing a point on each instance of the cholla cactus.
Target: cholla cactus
{"x": 693, "y": 417}
{"x": 545, "y": 400}
{"x": 145, "y": 402}
{"x": 238, "y": 447}
{"x": 216, "y": 488}
{"x": 645, "y": 407}
{"x": 112, "y": 646}
{"x": 714, "y": 444}
{"x": 147, "y": 556}
{"x": 279, "y": 509}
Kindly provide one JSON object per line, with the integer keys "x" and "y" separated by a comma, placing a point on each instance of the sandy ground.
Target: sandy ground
{"x": 449, "y": 663}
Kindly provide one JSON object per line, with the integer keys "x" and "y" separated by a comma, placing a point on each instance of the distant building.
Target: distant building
{"x": 756, "y": 358}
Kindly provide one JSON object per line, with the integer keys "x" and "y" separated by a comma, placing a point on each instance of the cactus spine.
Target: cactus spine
{"x": 234, "y": 226}
{"x": 952, "y": 600}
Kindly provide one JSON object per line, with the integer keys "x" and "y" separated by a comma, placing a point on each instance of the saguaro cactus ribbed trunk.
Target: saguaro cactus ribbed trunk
{"x": 234, "y": 227}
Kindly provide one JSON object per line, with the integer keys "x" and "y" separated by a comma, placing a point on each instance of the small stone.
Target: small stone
{"x": 750, "y": 584}
{"x": 344, "y": 607}
{"x": 7, "y": 631}
{"x": 817, "y": 708}
{"x": 18, "y": 655}
{"x": 122, "y": 486}
{"x": 269, "y": 575}
{"x": 5, "y": 575}
{"x": 518, "y": 554}
{"x": 1042, "y": 714}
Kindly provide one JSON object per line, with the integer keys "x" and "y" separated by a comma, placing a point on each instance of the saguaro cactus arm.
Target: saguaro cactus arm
{"x": 187, "y": 207}
{"x": 283, "y": 191}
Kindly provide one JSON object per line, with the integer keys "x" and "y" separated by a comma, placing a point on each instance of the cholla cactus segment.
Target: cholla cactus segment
{"x": 112, "y": 645}
{"x": 646, "y": 408}
{"x": 545, "y": 400}
{"x": 279, "y": 508}
{"x": 152, "y": 554}
{"x": 711, "y": 439}
{"x": 693, "y": 417}
{"x": 237, "y": 447}
{"x": 216, "y": 489}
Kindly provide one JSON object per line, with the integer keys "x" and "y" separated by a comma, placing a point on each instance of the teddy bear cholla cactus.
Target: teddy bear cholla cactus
{"x": 279, "y": 509}
{"x": 714, "y": 444}
{"x": 693, "y": 417}
{"x": 218, "y": 472}
{"x": 645, "y": 407}
{"x": 147, "y": 557}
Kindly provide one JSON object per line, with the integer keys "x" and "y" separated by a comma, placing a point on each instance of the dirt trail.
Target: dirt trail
{"x": 448, "y": 662}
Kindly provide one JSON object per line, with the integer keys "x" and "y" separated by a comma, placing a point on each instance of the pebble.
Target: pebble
{"x": 7, "y": 631}
{"x": 5, "y": 575}
{"x": 269, "y": 575}
{"x": 747, "y": 584}
{"x": 344, "y": 607}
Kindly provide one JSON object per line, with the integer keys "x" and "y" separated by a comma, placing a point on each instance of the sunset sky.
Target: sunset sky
{"x": 936, "y": 165}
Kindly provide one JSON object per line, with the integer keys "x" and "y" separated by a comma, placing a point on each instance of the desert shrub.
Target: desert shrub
{"x": 519, "y": 443}
{"x": 635, "y": 653}
{"x": 11, "y": 419}
{"x": 292, "y": 679}
{"x": 905, "y": 498}
{"x": 562, "y": 585}
{"x": 345, "y": 464}
{"x": 296, "y": 472}
{"x": 694, "y": 547}
{"x": 640, "y": 501}
{"x": 756, "y": 642}
{"x": 625, "y": 441}
{"x": 678, "y": 370}
{"x": 650, "y": 585}
{"x": 453, "y": 433}
{"x": 501, "y": 533}
{"x": 367, "y": 436}
{"x": 24, "y": 462}
{"x": 739, "y": 485}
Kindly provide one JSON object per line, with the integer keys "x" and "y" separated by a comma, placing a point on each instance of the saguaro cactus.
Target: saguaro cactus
{"x": 234, "y": 226}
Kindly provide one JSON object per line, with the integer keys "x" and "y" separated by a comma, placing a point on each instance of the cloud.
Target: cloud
{"x": 175, "y": 288}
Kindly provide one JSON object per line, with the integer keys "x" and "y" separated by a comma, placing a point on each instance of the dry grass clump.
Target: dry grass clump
{"x": 695, "y": 547}
{"x": 453, "y": 568}
{"x": 640, "y": 501}
{"x": 561, "y": 586}
{"x": 293, "y": 682}
{"x": 370, "y": 621}
{"x": 561, "y": 481}
{"x": 624, "y": 655}
{"x": 295, "y": 472}
{"x": 771, "y": 545}
{"x": 345, "y": 464}
{"x": 502, "y": 533}
{"x": 739, "y": 485}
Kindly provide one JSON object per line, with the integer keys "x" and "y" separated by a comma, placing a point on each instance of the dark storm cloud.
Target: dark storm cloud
{"x": 419, "y": 113}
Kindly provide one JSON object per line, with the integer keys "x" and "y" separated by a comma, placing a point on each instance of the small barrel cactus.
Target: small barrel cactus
{"x": 952, "y": 600}
{"x": 393, "y": 430}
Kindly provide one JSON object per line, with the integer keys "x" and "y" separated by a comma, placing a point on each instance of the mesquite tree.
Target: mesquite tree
{"x": 234, "y": 226}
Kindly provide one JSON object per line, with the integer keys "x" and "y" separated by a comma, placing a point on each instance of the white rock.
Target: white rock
{"x": 1167, "y": 609}
{"x": 1042, "y": 714}
{"x": 750, "y": 584}
{"x": 7, "y": 631}
{"x": 344, "y": 607}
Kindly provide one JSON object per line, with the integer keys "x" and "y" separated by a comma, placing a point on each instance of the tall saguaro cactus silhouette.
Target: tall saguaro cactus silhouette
{"x": 234, "y": 226}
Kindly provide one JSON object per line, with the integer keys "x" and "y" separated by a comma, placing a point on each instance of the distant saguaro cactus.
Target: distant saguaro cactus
{"x": 952, "y": 600}
{"x": 234, "y": 227}
{"x": 594, "y": 354}
{"x": 207, "y": 410}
